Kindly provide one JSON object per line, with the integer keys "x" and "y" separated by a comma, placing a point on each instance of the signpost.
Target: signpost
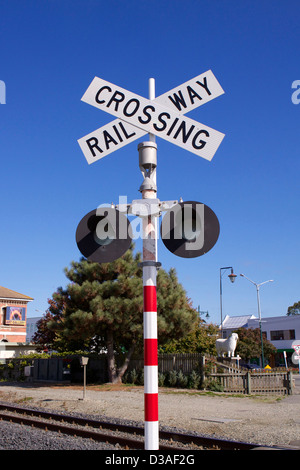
{"x": 84, "y": 362}
{"x": 296, "y": 354}
{"x": 163, "y": 117}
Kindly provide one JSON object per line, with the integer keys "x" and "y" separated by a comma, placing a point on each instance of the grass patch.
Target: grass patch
{"x": 106, "y": 387}
{"x": 24, "y": 400}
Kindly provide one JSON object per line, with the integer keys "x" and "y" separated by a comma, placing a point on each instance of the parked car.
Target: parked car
{"x": 250, "y": 366}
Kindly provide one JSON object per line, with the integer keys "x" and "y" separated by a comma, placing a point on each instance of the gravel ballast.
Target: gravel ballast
{"x": 265, "y": 420}
{"x": 15, "y": 436}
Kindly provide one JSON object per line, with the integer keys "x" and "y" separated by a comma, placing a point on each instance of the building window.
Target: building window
{"x": 292, "y": 334}
{"x": 282, "y": 334}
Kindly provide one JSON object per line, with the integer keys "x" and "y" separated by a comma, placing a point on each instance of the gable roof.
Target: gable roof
{"x": 237, "y": 322}
{"x": 11, "y": 294}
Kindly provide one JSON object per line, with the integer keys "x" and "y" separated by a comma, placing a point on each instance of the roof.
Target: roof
{"x": 32, "y": 320}
{"x": 11, "y": 294}
{"x": 276, "y": 322}
{"x": 237, "y": 322}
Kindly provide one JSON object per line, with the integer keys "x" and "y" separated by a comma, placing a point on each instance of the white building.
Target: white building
{"x": 31, "y": 328}
{"x": 281, "y": 331}
{"x": 231, "y": 324}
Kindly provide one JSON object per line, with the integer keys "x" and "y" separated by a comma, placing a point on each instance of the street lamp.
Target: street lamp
{"x": 232, "y": 277}
{"x": 259, "y": 313}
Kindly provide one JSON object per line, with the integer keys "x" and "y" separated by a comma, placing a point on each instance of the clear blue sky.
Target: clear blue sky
{"x": 51, "y": 51}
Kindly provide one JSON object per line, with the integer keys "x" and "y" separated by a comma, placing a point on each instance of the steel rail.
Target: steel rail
{"x": 171, "y": 436}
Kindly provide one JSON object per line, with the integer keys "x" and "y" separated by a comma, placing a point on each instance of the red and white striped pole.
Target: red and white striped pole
{"x": 150, "y": 359}
{"x": 150, "y": 265}
{"x": 148, "y": 158}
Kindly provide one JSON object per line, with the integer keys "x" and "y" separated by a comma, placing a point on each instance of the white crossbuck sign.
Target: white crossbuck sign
{"x": 162, "y": 117}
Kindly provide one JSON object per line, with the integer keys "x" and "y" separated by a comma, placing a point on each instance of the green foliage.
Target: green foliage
{"x": 201, "y": 339}
{"x": 176, "y": 317}
{"x": 102, "y": 309}
{"x": 14, "y": 369}
{"x": 161, "y": 379}
{"x": 214, "y": 385}
{"x": 194, "y": 380}
{"x": 98, "y": 299}
{"x": 47, "y": 355}
{"x": 172, "y": 378}
{"x": 249, "y": 344}
{"x": 182, "y": 380}
{"x": 135, "y": 377}
{"x": 44, "y": 337}
{"x": 294, "y": 309}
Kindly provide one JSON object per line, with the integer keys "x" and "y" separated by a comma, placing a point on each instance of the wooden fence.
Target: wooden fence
{"x": 224, "y": 373}
{"x": 254, "y": 382}
{"x": 167, "y": 362}
{"x": 215, "y": 373}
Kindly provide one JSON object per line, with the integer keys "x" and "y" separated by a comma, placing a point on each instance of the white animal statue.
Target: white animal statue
{"x": 227, "y": 345}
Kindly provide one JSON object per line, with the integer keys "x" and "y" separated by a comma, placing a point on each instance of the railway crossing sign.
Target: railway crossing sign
{"x": 163, "y": 117}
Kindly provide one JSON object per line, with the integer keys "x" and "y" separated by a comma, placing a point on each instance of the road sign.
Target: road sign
{"x": 191, "y": 94}
{"x": 296, "y": 354}
{"x": 107, "y": 139}
{"x": 161, "y": 117}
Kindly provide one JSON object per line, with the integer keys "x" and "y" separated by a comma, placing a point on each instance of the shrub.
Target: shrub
{"x": 140, "y": 380}
{"x": 214, "y": 386}
{"x": 182, "y": 380}
{"x": 194, "y": 380}
{"x": 161, "y": 379}
{"x": 133, "y": 376}
{"x": 172, "y": 378}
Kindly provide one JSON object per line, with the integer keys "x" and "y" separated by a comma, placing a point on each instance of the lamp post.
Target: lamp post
{"x": 259, "y": 313}
{"x": 232, "y": 277}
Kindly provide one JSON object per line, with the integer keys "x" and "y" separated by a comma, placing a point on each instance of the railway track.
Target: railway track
{"x": 126, "y": 436}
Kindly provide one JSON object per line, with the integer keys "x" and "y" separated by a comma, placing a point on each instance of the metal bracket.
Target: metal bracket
{"x": 146, "y": 207}
{"x": 167, "y": 205}
{"x": 143, "y": 264}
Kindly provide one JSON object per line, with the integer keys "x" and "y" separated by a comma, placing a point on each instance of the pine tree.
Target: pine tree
{"x": 102, "y": 308}
{"x": 201, "y": 339}
{"x": 294, "y": 309}
{"x": 43, "y": 336}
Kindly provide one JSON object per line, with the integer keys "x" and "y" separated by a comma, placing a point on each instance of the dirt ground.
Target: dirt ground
{"x": 271, "y": 420}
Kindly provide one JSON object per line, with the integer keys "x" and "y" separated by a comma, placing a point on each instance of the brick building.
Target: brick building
{"x": 13, "y": 316}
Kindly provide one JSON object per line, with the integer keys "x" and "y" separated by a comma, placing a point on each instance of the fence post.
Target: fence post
{"x": 248, "y": 378}
{"x": 202, "y": 369}
{"x": 290, "y": 383}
